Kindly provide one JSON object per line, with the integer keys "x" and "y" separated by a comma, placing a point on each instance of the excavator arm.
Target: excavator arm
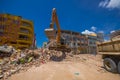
{"x": 55, "y": 41}
{"x": 54, "y": 19}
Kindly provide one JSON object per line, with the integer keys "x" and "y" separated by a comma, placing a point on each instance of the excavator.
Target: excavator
{"x": 56, "y": 41}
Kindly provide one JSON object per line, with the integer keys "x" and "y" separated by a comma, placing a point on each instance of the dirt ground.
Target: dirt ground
{"x": 79, "y": 67}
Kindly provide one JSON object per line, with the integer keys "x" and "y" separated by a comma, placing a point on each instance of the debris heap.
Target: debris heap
{"x": 21, "y": 60}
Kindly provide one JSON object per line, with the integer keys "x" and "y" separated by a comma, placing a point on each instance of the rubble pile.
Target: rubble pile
{"x": 6, "y": 50}
{"x": 21, "y": 60}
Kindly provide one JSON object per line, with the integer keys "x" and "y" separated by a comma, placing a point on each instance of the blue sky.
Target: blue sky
{"x": 76, "y": 15}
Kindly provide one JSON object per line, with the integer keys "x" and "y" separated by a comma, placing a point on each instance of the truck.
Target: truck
{"x": 110, "y": 51}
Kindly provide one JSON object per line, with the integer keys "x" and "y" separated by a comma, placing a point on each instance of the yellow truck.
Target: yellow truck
{"x": 110, "y": 52}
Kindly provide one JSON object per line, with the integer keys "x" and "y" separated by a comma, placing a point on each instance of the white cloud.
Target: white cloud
{"x": 87, "y": 32}
{"x": 110, "y": 4}
{"x": 106, "y": 40}
{"x": 93, "y": 28}
{"x": 100, "y": 31}
{"x": 103, "y": 3}
{"x": 112, "y": 31}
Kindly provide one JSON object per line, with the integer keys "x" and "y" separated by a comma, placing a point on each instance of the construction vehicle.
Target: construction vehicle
{"x": 56, "y": 42}
{"x": 110, "y": 52}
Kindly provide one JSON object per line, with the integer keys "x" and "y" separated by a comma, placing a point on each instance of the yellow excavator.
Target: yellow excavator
{"x": 56, "y": 42}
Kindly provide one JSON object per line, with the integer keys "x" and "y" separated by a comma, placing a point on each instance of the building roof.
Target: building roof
{"x": 93, "y": 34}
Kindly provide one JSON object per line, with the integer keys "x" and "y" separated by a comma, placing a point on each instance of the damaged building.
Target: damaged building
{"x": 115, "y": 34}
{"x": 16, "y": 31}
{"x": 75, "y": 40}
{"x": 92, "y": 46}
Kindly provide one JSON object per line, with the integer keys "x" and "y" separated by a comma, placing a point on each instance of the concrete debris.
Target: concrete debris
{"x": 6, "y": 50}
{"x": 77, "y": 73}
{"x": 22, "y": 60}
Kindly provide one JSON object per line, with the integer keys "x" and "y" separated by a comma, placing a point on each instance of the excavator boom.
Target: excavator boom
{"x": 53, "y": 35}
{"x": 51, "y": 32}
{"x": 55, "y": 19}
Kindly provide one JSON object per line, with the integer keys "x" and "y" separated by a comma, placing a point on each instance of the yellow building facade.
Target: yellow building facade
{"x": 16, "y": 31}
